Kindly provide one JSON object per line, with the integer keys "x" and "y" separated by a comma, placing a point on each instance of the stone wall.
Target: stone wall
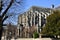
{"x": 36, "y": 39}
{"x": 32, "y": 39}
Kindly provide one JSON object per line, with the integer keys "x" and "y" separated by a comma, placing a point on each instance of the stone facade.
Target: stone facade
{"x": 10, "y": 31}
{"x": 35, "y": 16}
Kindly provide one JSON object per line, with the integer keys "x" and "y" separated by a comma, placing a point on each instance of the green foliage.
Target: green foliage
{"x": 53, "y": 24}
{"x": 36, "y": 35}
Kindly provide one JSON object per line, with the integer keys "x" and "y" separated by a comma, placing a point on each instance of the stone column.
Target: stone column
{"x": 19, "y": 20}
{"x": 25, "y": 32}
{"x": 26, "y": 24}
{"x": 31, "y": 20}
{"x": 26, "y": 19}
{"x": 39, "y": 35}
{"x": 23, "y": 19}
{"x": 34, "y": 18}
{"x": 39, "y": 20}
{"x": 28, "y": 32}
{"x": 18, "y": 29}
{"x": 31, "y": 16}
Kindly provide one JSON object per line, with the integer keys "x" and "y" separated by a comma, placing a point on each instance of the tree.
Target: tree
{"x": 52, "y": 27}
{"x": 0, "y": 5}
{"x": 3, "y": 15}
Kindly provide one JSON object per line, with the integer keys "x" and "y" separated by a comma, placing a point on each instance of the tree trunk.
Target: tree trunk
{"x": 1, "y": 29}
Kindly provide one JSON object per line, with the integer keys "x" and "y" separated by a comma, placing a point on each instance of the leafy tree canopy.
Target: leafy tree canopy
{"x": 52, "y": 26}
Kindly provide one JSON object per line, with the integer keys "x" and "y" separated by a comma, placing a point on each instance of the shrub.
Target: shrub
{"x": 36, "y": 35}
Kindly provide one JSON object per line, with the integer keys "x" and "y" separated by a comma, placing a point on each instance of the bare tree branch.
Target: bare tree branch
{"x": 7, "y": 8}
{"x": 4, "y": 18}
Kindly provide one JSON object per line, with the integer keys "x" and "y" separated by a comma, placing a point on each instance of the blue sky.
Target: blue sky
{"x": 16, "y": 8}
{"x": 42, "y": 3}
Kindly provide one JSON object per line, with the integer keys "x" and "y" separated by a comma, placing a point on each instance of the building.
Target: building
{"x": 9, "y": 30}
{"x": 35, "y": 16}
